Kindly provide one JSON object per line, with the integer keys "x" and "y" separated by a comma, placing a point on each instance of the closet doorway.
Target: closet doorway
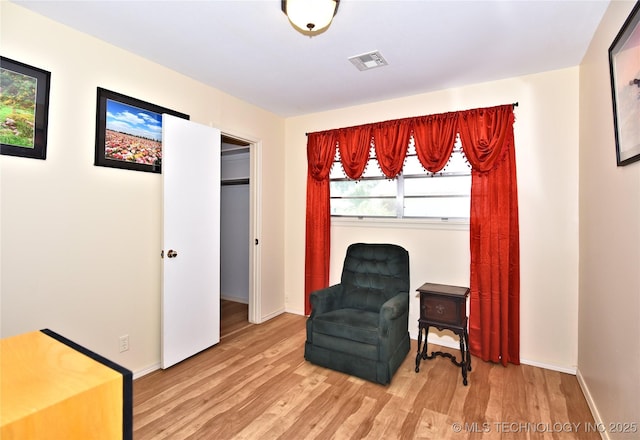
{"x": 238, "y": 238}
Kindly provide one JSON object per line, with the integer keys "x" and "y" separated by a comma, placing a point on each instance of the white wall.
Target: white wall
{"x": 546, "y": 136}
{"x": 609, "y": 311}
{"x": 80, "y": 243}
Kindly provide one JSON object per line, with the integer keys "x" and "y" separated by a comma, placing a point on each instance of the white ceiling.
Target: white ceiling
{"x": 249, "y": 49}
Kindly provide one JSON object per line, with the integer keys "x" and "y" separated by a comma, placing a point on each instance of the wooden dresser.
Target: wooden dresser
{"x": 52, "y": 388}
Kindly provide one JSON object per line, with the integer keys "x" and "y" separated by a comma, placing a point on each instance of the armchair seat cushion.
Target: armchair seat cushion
{"x": 351, "y": 324}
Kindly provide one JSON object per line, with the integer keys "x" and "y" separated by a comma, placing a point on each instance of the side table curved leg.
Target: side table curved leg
{"x": 422, "y": 347}
{"x": 419, "y": 355}
{"x": 466, "y": 338}
{"x": 464, "y": 363}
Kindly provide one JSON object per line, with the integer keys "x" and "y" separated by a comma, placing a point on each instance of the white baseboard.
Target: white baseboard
{"x": 294, "y": 311}
{"x": 234, "y": 299}
{"x": 592, "y": 404}
{"x": 150, "y": 369}
{"x": 273, "y": 315}
{"x": 559, "y": 368}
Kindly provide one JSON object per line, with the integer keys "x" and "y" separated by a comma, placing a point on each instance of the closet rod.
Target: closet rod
{"x": 234, "y": 182}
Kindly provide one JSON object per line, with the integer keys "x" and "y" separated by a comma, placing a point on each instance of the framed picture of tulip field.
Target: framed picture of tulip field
{"x": 24, "y": 109}
{"x": 129, "y": 132}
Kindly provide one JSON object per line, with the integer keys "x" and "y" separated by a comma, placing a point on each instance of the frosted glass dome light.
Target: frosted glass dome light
{"x": 310, "y": 16}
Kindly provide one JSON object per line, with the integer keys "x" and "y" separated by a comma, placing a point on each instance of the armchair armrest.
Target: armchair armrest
{"x": 325, "y": 300}
{"x": 393, "y": 323}
{"x": 395, "y": 307}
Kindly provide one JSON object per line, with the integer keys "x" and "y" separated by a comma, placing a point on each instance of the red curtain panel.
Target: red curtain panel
{"x": 321, "y": 150}
{"x": 494, "y": 315}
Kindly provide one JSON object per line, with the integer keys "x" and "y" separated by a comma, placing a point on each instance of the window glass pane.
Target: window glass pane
{"x": 412, "y": 165}
{"x": 438, "y": 207}
{"x": 336, "y": 171}
{"x": 439, "y": 185}
{"x": 372, "y": 169}
{"x": 457, "y": 163}
{"x": 369, "y": 207}
{"x": 363, "y": 188}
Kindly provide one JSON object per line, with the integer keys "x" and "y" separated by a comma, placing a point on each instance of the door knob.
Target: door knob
{"x": 172, "y": 253}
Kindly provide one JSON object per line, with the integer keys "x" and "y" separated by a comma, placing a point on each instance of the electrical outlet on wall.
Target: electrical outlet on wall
{"x": 124, "y": 343}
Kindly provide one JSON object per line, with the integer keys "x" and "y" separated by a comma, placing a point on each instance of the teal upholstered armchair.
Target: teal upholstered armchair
{"x": 360, "y": 326}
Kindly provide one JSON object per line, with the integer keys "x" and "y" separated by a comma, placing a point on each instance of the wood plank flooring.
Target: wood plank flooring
{"x": 255, "y": 384}
{"x": 233, "y": 318}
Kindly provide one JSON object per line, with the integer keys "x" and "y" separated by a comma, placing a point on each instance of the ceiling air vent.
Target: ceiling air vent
{"x": 368, "y": 60}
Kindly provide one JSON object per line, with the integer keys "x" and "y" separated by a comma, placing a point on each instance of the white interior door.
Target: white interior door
{"x": 191, "y": 239}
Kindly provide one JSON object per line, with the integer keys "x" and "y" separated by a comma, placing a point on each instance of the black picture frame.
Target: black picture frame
{"x": 24, "y": 109}
{"x": 129, "y": 132}
{"x": 625, "y": 88}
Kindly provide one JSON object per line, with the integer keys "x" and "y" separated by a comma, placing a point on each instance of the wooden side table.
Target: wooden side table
{"x": 445, "y": 308}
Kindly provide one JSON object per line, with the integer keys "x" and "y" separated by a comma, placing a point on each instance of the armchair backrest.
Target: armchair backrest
{"x": 373, "y": 273}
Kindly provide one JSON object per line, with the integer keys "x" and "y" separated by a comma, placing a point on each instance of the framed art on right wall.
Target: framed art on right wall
{"x": 624, "y": 67}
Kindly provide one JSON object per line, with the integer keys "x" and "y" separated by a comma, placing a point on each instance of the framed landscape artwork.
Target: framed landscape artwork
{"x": 624, "y": 66}
{"x": 24, "y": 109}
{"x": 129, "y": 132}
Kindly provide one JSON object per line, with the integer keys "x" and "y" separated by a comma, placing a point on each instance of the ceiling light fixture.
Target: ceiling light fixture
{"x": 310, "y": 17}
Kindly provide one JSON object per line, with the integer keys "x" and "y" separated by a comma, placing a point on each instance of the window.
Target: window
{"x": 415, "y": 193}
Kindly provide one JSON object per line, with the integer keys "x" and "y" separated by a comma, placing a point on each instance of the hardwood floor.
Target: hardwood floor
{"x": 233, "y": 318}
{"x": 255, "y": 384}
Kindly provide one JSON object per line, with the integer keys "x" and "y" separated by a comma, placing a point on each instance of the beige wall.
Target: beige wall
{"x": 609, "y": 312}
{"x": 546, "y": 135}
{"x": 80, "y": 243}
